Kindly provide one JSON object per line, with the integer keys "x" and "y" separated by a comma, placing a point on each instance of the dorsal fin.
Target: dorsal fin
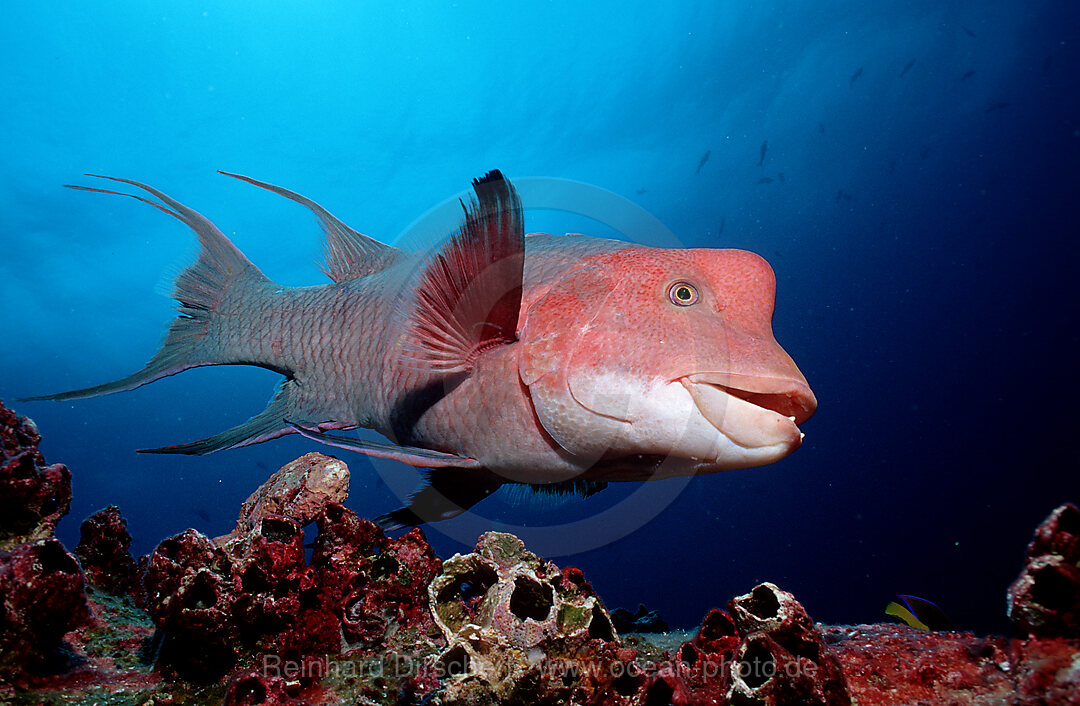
{"x": 468, "y": 294}
{"x": 349, "y": 254}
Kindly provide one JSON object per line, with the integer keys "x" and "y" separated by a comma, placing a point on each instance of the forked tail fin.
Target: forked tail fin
{"x": 220, "y": 271}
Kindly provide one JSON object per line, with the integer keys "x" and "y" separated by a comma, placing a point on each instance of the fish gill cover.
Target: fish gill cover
{"x": 906, "y": 170}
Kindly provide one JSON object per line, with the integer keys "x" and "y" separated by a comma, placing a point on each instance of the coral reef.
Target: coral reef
{"x": 895, "y": 664}
{"x": 104, "y": 551}
{"x": 33, "y": 495}
{"x": 42, "y": 597}
{"x": 1044, "y": 601}
{"x": 765, "y": 651}
{"x": 300, "y": 490}
{"x": 250, "y": 619}
{"x": 361, "y": 590}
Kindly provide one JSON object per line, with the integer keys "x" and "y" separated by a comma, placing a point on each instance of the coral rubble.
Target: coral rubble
{"x": 33, "y": 495}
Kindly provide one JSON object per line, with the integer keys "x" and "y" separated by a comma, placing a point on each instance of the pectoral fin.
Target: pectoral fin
{"x": 447, "y": 494}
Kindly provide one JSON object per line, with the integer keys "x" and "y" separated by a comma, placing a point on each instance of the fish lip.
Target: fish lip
{"x": 787, "y": 397}
{"x": 748, "y": 425}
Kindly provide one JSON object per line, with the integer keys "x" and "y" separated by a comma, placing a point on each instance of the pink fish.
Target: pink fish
{"x": 557, "y": 361}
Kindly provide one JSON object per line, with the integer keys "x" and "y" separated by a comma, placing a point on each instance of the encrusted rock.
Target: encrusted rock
{"x": 42, "y": 596}
{"x": 375, "y": 585}
{"x": 511, "y": 619}
{"x": 33, "y": 495}
{"x": 782, "y": 658}
{"x": 1044, "y": 601}
{"x": 361, "y": 590}
{"x": 300, "y": 490}
{"x": 253, "y": 688}
{"x": 189, "y": 594}
{"x": 272, "y": 576}
{"x": 104, "y": 550}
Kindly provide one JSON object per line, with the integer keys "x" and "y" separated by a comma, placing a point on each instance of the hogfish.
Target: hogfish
{"x": 556, "y": 361}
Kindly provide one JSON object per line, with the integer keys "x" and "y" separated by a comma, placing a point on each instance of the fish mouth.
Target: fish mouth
{"x": 754, "y": 412}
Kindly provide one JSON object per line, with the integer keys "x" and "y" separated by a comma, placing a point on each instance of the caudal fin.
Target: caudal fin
{"x": 220, "y": 270}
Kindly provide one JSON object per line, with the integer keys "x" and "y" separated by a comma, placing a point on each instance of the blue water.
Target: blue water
{"x": 923, "y": 238}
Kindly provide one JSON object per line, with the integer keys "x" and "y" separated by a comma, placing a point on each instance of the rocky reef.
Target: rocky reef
{"x": 357, "y": 617}
{"x": 1044, "y": 601}
{"x": 33, "y": 495}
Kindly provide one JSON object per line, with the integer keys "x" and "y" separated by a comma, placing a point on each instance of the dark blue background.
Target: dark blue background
{"x": 933, "y": 311}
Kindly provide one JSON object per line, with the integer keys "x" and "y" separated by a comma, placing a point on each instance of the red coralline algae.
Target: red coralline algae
{"x": 300, "y": 490}
{"x": 104, "y": 551}
{"x": 895, "y": 664}
{"x": 188, "y": 592}
{"x": 360, "y": 590}
{"x": 375, "y": 585}
{"x": 271, "y": 577}
{"x": 42, "y": 596}
{"x": 253, "y": 688}
{"x": 374, "y": 619}
{"x": 33, "y": 495}
{"x": 1044, "y": 601}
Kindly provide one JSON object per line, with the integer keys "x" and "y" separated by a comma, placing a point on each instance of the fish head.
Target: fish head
{"x": 658, "y": 352}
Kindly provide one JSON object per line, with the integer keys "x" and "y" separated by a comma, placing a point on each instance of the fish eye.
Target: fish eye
{"x": 682, "y": 294}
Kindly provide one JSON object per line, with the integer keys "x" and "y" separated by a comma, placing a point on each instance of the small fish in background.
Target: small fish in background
{"x": 967, "y": 74}
{"x": 996, "y": 107}
{"x": 821, "y": 128}
{"x": 855, "y": 76}
{"x": 704, "y": 159}
{"x": 842, "y": 195}
{"x": 201, "y": 513}
{"x": 968, "y": 32}
{"x": 720, "y": 229}
{"x": 907, "y": 67}
{"x": 764, "y": 149}
{"x": 639, "y": 192}
{"x": 919, "y": 613}
{"x": 765, "y": 180}
{"x": 781, "y": 177}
